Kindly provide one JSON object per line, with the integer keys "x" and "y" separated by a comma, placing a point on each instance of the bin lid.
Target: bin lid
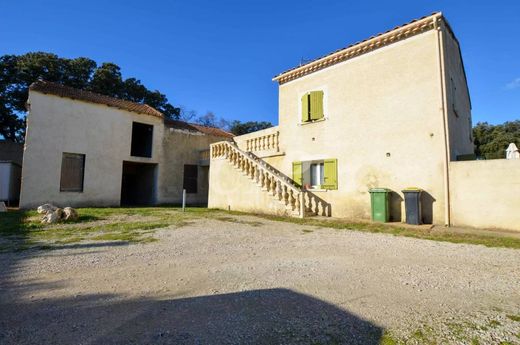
{"x": 412, "y": 190}
{"x": 379, "y": 190}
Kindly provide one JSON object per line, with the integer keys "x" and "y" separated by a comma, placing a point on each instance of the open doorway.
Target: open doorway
{"x": 138, "y": 184}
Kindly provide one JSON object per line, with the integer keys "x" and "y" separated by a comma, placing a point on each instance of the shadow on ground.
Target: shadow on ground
{"x": 272, "y": 316}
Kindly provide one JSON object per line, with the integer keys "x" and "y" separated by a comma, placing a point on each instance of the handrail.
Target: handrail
{"x": 263, "y": 167}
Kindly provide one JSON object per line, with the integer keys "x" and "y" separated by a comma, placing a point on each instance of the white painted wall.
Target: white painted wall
{"x": 56, "y": 125}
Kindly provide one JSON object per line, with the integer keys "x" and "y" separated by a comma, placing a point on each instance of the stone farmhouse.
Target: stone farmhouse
{"x": 392, "y": 111}
{"x": 86, "y": 149}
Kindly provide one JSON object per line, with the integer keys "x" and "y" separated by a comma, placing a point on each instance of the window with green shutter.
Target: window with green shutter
{"x": 316, "y": 111}
{"x": 312, "y": 106}
{"x": 297, "y": 173}
{"x": 330, "y": 179}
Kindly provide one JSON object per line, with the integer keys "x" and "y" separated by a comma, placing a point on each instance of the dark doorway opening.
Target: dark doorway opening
{"x": 138, "y": 184}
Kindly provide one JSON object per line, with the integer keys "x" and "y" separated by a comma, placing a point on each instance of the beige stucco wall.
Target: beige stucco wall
{"x": 179, "y": 148}
{"x": 384, "y": 123}
{"x": 56, "y": 125}
{"x": 231, "y": 189}
{"x": 486, "y": 193}
{"x": 386, "y": 101}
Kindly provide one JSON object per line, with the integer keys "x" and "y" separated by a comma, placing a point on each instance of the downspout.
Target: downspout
{"x": 440, "y": 48}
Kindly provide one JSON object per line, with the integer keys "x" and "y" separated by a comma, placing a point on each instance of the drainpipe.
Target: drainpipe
{"x": 444, "y": 101}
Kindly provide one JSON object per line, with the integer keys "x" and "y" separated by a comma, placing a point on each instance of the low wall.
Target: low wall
{"x": 230, "y": 189}
{"x": 485, "y": 194}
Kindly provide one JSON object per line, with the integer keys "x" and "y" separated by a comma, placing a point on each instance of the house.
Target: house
{"x": 86, "y": 149}
{"x": 392, "y": 111}
{"x": 11, "y": 154}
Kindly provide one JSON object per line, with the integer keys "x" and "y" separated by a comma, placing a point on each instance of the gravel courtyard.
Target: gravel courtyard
{"x": 248, "y": 280}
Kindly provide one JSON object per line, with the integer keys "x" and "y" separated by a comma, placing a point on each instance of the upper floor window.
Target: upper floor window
{"x": 312, "y": 106}
{"x": 142, "y": 138}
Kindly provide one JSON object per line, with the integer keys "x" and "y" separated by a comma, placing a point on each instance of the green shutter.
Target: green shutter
{"x": 316, "y": 105}
{"x": 297, "y": 173}
{"x": 330, "y": 172}
{"x": 305, "y": 107}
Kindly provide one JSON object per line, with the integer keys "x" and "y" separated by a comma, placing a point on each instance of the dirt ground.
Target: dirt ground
{"x": 246, "y": 280}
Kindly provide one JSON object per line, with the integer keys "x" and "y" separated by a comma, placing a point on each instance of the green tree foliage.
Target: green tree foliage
{"x": 17, "y": 72}
{"x": 491, "y": 141}
{"x": 239, "y": 128}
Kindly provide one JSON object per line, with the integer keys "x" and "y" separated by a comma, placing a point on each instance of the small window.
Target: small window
{"x": 72, "y": 172}
{"x": 190, "y": 178}
{"x": 453, "y": 96}
{"x": 312, "y": 106}
{"x": 142, "y": 138}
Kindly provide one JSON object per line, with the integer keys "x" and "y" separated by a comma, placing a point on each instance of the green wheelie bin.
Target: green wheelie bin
{"x": 379, "y": 204}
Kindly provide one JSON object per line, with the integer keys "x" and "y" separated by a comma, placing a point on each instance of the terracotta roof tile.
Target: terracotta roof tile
{"x": 192, "y": 127}
{"x": 87, "y": 96}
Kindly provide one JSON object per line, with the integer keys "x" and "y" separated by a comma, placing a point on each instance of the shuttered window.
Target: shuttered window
{"x": 72, "y": 172}
{"x": 312, "y": 106}
{"x": 297, "y": 173}
{"x": 190, "y": 178}
{"x": 330, "y": 178}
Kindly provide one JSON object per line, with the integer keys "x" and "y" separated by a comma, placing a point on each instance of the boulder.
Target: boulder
{"x": 69, "y": 214}
{"x": 46, "y": 208}
{"x": 53, "y": 217}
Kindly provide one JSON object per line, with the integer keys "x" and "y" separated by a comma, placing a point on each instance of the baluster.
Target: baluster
{"x": 292, "y": 199}
{"x": 297, "y": 202}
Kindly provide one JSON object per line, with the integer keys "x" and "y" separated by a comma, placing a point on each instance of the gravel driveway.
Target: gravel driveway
{"x": 247, "y": 280}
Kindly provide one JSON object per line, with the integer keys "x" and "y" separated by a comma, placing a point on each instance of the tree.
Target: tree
{"x": 491, "y": 141}
{"x": 239, "y": 128}
{"x": 211, "y": 120}
{"x": 18, "y": 72}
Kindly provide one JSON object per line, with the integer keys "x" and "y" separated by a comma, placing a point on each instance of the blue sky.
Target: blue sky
{"x": 221, "y": 55}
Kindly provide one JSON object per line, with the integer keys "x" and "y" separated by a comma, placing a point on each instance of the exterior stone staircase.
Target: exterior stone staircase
{"x": 297, "y": 201}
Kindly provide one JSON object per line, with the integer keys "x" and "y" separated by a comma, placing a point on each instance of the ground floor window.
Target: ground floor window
{"x": 190, "y": 178}
{"x": 72, "y": 172}
{"x": 316, "y": 174}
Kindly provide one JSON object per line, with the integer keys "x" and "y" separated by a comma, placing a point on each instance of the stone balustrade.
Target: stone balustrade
{"x": 298, "y": 201}
{"x": 267, "y": 142}
{"x": 204, "y": 155}
{"x": 268, "y": 179}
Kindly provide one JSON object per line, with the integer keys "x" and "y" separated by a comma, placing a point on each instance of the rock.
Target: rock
{"x": 46, "y": 208}
{"x": 53, "y": 217}
{"x": 69, "y": 214}
{"x": 3, "y": 208}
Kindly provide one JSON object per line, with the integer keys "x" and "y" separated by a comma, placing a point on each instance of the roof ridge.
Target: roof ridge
{"x": 66, "y": 91}
{"x": 410, "y": 28}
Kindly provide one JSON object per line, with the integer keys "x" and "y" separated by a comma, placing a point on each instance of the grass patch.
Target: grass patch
{"x": 514, "y": 317}
{"x": 388, "y": 339}
{"x": 307, "y": 231}
{"x": 426, "y": 234}
{"x": 22, "y": 230}
{"x": 494, "y": 324}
